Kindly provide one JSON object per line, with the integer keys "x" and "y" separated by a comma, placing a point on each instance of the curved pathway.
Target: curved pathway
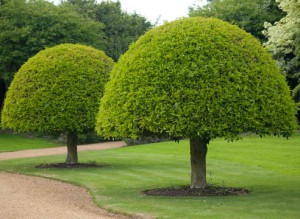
{"x": 27, "y": 197}
{"x": 59, "y": 150}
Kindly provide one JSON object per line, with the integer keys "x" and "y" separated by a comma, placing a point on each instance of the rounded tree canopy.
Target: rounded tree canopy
{"x": 57, "y": 90}
{"x": 196, "y": 77}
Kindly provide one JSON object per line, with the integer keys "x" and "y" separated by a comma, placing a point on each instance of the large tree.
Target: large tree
{"x": 249, "y": 15}
{"x": 30, "y": 26}
{"x": 198, "y": 78}
{"x": 284, "y": 43}
{"x": 121, "y": 28}
{"x": 58, "y": 91}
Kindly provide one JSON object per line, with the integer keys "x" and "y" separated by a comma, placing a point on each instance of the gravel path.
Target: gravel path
{"x": 27, "y": 197}
{"x": 59, "y": 150}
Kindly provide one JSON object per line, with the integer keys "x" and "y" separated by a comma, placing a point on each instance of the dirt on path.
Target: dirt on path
{"x": 28, "y": 197}
{"x": 59, "y": 150}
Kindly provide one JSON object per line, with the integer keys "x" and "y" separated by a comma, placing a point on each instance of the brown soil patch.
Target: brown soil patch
{"x": 210, "y": 190}
{"x": 77, "y": 165}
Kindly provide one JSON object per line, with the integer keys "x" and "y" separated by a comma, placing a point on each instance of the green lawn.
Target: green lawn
{"x": 11, "y": 142}
{"x": 269, "y": 167}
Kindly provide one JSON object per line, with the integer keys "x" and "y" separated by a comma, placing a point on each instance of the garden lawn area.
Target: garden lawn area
{"x": 269, "y": 167}
{"x": 13, "y": 142}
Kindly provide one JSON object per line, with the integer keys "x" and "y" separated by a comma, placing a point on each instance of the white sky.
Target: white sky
{"x": 167, "y": 10}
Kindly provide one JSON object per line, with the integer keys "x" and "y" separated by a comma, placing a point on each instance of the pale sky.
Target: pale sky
{"x": 167, "y": 10}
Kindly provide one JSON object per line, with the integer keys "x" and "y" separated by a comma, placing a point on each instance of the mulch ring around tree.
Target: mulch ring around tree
{"x": 210, "y": 190}
{"x": 77, "y": 165}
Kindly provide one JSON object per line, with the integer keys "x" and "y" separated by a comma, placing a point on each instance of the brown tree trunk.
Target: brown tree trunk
{"x": 198, "y": 149}
{"x": 72, "y": 140}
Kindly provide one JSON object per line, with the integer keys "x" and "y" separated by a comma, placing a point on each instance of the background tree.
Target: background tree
{"x": 2, "y": 93}
{"x": 284, "y": 43}
{"x": 249, "y": 15}
{"x": 87, "y": 8}
{"x": 58, "y": 91}
{"x": 30, "y": 26}
{"x": 121, "y": 28}
{"x": 198, "y": 78}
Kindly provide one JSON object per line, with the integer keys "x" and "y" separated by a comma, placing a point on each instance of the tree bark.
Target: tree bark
{"x": 72, "y": 141}
{"x": 198, "y": 150}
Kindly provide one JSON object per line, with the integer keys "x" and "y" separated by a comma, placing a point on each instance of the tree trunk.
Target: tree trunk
{"x": 72, "y": 141}
{"x": 198, "y": 149}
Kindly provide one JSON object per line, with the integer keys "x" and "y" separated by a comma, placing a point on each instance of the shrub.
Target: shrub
{"x": 58, "y": 91}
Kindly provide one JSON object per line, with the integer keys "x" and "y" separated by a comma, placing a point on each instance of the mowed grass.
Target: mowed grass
{"x": 269, "y": 167}
{"x": 13, "y": 142}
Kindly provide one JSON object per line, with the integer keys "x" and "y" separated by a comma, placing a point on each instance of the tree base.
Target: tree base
{"x": 65, "y": 165}
{"x": 210, "y": 190}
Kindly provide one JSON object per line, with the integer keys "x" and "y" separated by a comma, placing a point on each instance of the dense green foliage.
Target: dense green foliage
{"x": 249, "y": 15}
{"x": 284, "y": 43}
{"x": 30, "y": 26}
{"x": 120, "y": 28}
{"x": 57, "y": 90}
{"x": 196, "y": 77}
{"x": 269, "y": 167}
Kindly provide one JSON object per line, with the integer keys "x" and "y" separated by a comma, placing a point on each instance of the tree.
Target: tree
{"x": 58, "y": 91}
{"x": 86, "y": 8}
{"x": 249, "y": 15}
{"x": 30, "y": 26}
{"x": 121, "y": 28}
{"x": 200, "y": 78}
{"x": 284, "y": 43}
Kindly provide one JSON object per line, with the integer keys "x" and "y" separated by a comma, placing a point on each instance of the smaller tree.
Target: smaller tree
{"x": 58, "y": 91}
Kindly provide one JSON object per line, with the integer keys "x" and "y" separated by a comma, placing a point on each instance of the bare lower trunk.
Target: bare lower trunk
{"x": 72, "y": 141}
{"x": 198, "y": 149}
